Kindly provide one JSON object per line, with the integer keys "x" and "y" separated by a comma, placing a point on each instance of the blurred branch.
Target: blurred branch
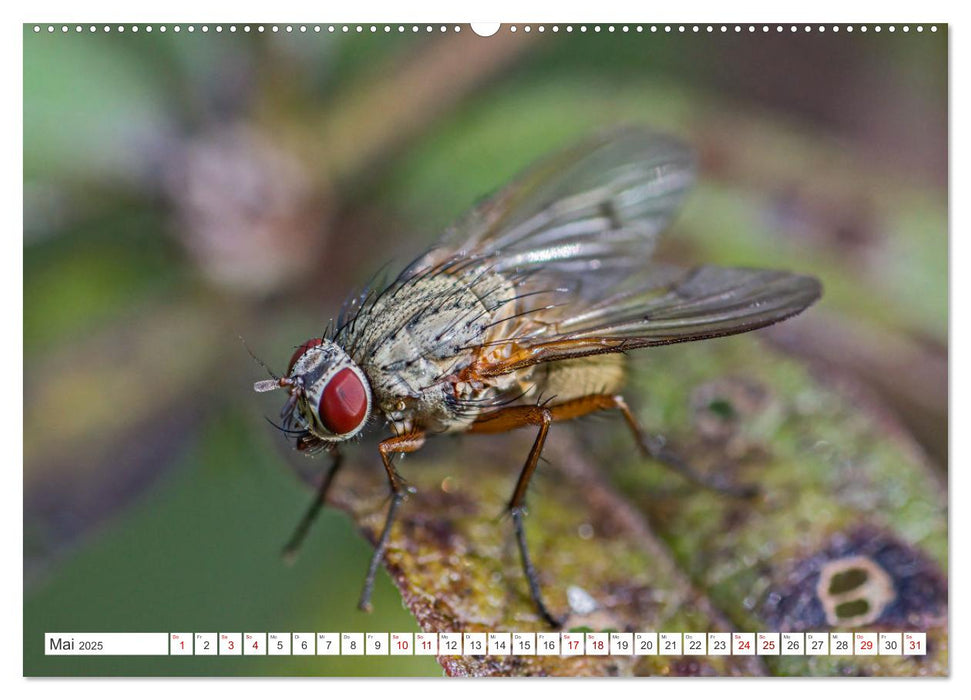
{"x": 255, "y": 200}
{"x": 375, "y": 118}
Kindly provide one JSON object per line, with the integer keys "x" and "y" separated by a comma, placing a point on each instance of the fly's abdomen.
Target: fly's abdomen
{"x": 565, "y": 380}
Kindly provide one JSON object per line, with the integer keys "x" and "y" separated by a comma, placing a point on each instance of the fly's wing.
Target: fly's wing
{"x": 582, "y": 219}
{"x": 574, "y": 236}
{"x": 666, "y": 305}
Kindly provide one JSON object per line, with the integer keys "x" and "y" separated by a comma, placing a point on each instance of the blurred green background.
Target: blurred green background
{"x": 185, "y": 189}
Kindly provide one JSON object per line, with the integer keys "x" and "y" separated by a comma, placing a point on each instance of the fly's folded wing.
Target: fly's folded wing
{"x": 669, "y": 305}
{"x": 562, "y": 258}
{"x": 582, "y": 219}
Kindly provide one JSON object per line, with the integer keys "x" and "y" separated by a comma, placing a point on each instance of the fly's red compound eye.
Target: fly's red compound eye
{"x": 312, "y": 343}
{"x": 343, "y": 405}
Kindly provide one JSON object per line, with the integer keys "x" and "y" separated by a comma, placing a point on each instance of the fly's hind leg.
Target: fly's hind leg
{"x": 388, "y": 448}
{"x": 654, "y": 448}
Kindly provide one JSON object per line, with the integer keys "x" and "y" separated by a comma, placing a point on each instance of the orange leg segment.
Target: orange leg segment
{"x": 401, "y": 444}
{"x": 513, "y": 417}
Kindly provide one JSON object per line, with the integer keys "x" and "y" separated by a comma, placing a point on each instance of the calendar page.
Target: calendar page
{"x": 611, "y": 349}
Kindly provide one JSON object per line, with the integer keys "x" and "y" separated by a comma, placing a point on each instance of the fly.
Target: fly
{"x": 520, "y": 316}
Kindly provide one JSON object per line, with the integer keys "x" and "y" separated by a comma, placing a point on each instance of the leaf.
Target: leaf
{"x": 453, "y": 557}
{"x": 843, "y": 488}
{"x": 656, "y": 554}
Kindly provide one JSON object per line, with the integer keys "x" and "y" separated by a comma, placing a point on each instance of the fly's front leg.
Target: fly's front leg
{"x": 293, "y": 545}
{"x": 388, "y": 448}
{"x": 654, "y": 448}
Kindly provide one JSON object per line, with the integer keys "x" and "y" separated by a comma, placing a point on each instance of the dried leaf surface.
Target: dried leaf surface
{"x": 635, "y": 548}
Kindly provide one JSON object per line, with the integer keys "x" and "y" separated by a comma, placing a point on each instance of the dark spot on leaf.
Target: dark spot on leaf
{"x": 722, "y": 408}
{"x": 917, "y": 588}
{"x": 854, "y": 608}
{"x": 847, "y": 580}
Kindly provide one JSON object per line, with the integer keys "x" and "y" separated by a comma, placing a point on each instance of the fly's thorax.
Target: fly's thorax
{"x": 418, "y": 335}
{"x": 425, "y": 412}
{"x": 435, "y": 410}
{"x": 334, "y": 397}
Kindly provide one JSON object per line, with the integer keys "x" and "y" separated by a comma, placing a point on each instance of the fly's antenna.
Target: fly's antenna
{"x": 258, "y": 360}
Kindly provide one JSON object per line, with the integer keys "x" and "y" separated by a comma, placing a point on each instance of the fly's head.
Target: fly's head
{"x": 329, "y": 395}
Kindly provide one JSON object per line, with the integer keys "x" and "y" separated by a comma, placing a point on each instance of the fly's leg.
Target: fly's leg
{"x": 654, "y": 448}
{"x": 293, "y": 545}
{"x": 516, "y": 508}
{"x": 509, "y": 419}
{"x": 505, "y": 419}
{"x": 388, "y": 448}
